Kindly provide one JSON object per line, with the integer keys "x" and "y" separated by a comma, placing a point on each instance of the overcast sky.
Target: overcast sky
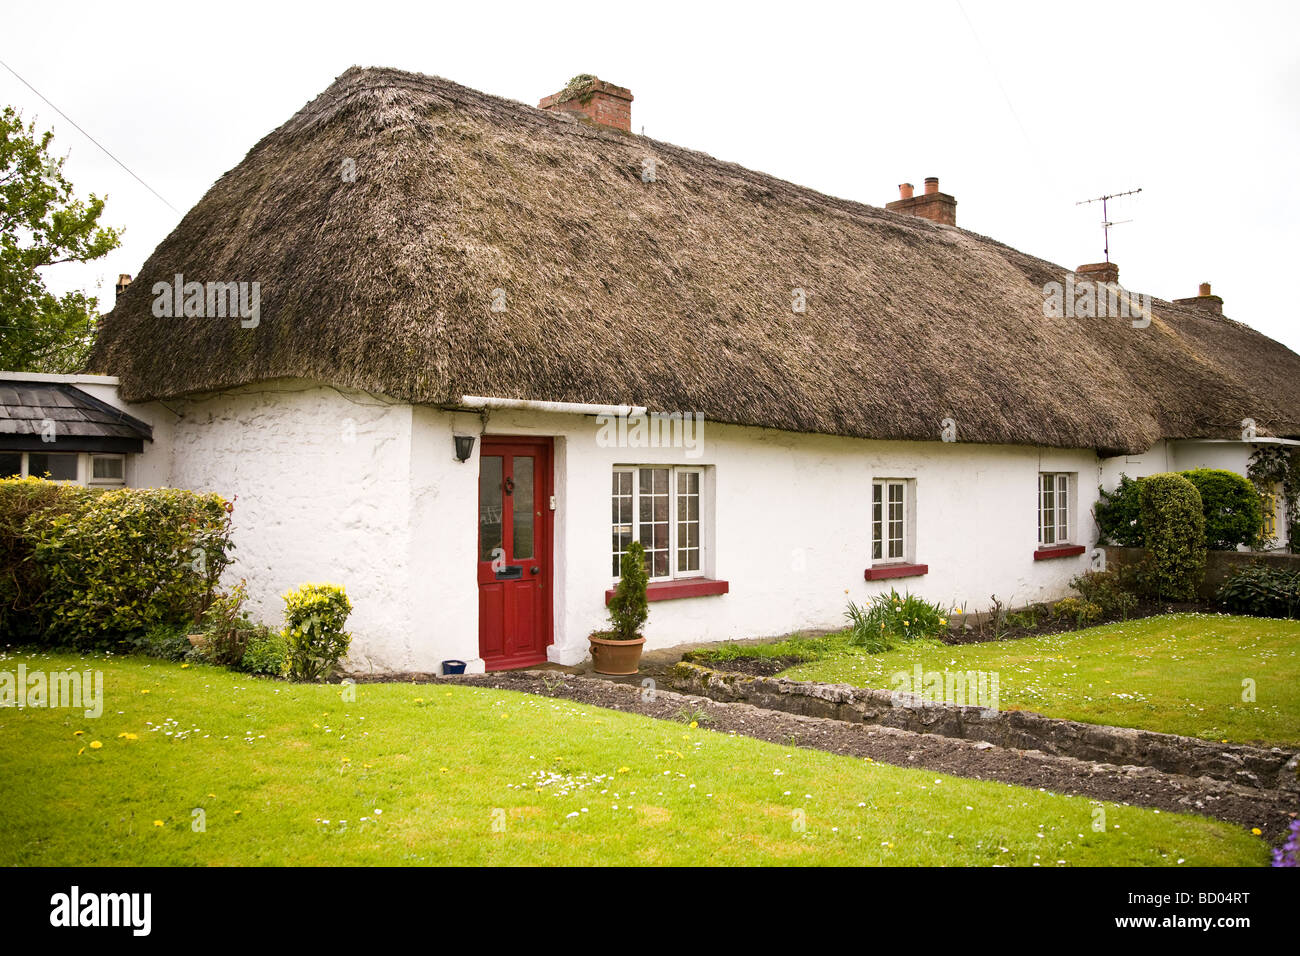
{"x": 1021, "y": 109}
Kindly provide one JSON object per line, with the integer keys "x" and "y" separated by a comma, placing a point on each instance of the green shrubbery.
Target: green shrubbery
{"x": 1229, "y": 503}
{"x": 1174, "y": 524}
{"x": 1262, "y": 591}
{"x": 20, "y": 580}
{"x": 892, "y": 618}
{"x": 266, "y": 652}
{"x": 314, "y": 619}
{"x": 628, "y": 609}
{"x": 1119, "y": 515}
{"x": 1231, "y": 507}
{"x": 1108, "y": 591}
{"x": 80, "y": 566}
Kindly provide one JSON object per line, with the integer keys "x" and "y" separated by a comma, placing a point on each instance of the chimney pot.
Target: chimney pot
{"x": 593, "y": 100}
{"x": 1205, "y": 289}
{"x": 123, "y": 280}
{"x": 1204, "y": 299}
{"x": 933, "y": 205}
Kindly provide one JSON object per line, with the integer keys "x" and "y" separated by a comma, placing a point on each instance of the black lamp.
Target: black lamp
{"x": 464, "y": 447}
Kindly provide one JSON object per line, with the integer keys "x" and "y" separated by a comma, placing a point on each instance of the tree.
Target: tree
{"x": 42, "y": 223}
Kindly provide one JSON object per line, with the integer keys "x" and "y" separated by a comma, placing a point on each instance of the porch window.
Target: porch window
{"x": 1268, "y": 524}
{"x": 107, "y": 469}
{"x": 889, "y": 520}
{"x": 1054, "y": 509}
{"x": 661, "y": 507}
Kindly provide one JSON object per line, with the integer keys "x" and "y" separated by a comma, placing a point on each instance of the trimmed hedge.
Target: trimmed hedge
{"x": 121, "y": 562}
{"x": 1174, "y": 524}
{"x": 1231, "y": 507}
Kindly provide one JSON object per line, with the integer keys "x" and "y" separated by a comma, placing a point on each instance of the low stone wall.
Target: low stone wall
{"x": 1218, "y": 564}
{"x": 1274, "y": 768}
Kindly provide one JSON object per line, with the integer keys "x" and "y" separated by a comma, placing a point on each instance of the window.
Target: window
{"x": 662, "y": 508}
{"x": 889, "y": 519}
{"x": 89, "y": 468}
{"x": 107, "y": 469}
{"x": 1268, "y": 525}
{"x": 55, "y": 467}
{"x": 1054, "y": 509}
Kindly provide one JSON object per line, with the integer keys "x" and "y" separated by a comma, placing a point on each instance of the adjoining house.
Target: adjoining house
{"x": 494, "y": 344}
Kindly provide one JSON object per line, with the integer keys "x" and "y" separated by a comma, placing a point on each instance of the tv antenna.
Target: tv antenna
{"x": 1106, "y": 222}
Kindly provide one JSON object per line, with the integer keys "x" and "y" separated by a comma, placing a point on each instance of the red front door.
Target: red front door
{"x": 514, "y": 551}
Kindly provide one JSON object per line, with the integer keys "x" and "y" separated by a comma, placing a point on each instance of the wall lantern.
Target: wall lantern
{"x": 464, "y": 447}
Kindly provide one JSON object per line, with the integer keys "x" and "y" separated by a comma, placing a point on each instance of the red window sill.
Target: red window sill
{"x": 1064, "y": 551}
{"x": 686, "y": 588}
{"x": 882, "y": 571}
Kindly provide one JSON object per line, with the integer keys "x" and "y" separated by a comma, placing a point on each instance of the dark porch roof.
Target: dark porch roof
{"x": 81, "y": 421}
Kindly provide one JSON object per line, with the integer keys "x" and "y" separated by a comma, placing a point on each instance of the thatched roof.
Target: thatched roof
{"x": 674, "y": 294}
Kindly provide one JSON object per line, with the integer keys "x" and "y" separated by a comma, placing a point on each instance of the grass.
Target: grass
{"x": 426, "y": 774}
{"x": 1178, "y": 674}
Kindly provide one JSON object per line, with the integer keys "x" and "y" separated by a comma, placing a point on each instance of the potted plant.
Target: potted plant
{"x": 618, "y": 649}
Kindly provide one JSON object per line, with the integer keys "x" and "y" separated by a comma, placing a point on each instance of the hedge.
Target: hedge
{"x": 1174, "y": 524}
{"x": 101, "y": 566}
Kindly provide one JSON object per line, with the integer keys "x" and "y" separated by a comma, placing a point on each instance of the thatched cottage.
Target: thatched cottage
{"x": 455, "y": 352}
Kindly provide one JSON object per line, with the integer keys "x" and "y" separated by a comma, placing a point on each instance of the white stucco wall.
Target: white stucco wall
{"x": 363, "y": 492}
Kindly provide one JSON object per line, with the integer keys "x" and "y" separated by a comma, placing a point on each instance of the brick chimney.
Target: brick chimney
{"x": 593, "y": 100}
{"x": 1104, "y": 273}
{"x": 931, "y": 204}
{"x": 1205, "y": 300}
{"x": 123, "y": 280}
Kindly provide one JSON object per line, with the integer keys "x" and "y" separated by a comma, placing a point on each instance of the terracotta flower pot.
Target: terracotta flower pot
{"x": 615, "y": 657}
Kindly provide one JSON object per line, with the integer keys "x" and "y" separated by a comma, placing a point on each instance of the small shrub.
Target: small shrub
{"x": 1029, "y": 617}
{"x": 891, "y": 618}
{"x": 1106, "y": 591}
{"x": 1174, "y": 523}
{"x": 225, "y": 630}
{"x": 314, "y": 619}
{"x": 1262, "y": 591}
{"x": 266, "y": 652}
{"x": 628, "y": 609}
{"x": 1231, "y": 507}
{"x": 1119, "y": 515}
{"x": 1081, "y": 613}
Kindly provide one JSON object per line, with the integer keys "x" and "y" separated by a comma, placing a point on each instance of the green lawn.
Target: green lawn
{"x": 1179, "y": 674}
{"x": 294, "y": 774}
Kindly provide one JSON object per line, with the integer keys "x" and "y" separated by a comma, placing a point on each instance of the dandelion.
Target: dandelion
{"x": 78, "y": 733}
{"x": 144, "y": 691}
{"x": 184, "y": 666}
{"x": 157, "y": 823}
{"x": 95, "y": 745}
{"x": 1256, "y": 830}
{"x": 694, "y": 724}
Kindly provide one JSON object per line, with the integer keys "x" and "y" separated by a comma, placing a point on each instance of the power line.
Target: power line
{"x": 103, "y": 148}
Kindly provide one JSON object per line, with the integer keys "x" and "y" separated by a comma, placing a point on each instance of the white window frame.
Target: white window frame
{"x": 906, "y": 540}
{"x": 674, "y": 574}
{"x": 1063, "y": 523}
{"x": 91, "y": 480}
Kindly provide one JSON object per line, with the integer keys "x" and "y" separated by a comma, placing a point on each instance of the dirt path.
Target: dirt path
{"x": 1270, "y": 810}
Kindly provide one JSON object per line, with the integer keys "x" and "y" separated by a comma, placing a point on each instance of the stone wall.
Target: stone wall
{"x": 1218, "y": 564}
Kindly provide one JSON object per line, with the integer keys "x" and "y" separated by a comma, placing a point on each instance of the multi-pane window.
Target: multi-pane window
{"x": 661, "y": 508}
{"x": 888, "y": 520}
{"x": 107, "y": 470}
{"x": 1268, "y": 524}
{"x": 1053, "y": 509}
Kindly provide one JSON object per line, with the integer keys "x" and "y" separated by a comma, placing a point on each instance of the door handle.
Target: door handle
{"x": 534, "y": 570}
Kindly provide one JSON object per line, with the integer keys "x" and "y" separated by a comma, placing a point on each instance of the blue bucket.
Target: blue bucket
{"x": 453, "y": 667}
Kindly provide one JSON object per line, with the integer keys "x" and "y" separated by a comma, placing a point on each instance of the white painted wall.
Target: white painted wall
{"x": 359, "y": 491}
